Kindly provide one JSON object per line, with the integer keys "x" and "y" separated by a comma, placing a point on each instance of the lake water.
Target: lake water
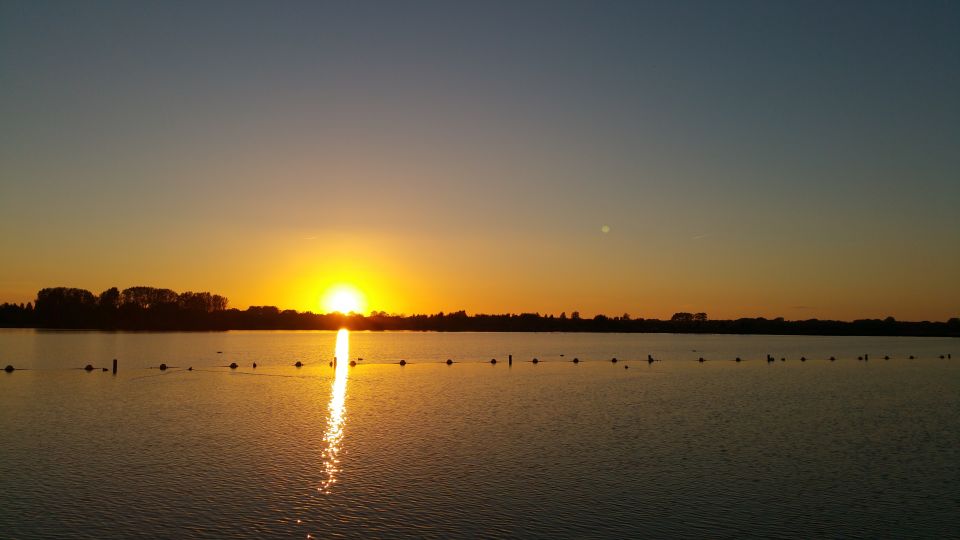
{"x": 856, "y": 449}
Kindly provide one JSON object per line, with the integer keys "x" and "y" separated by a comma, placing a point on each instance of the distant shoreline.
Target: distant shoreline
{"x": 162, "y": 310}
{"x": 465, "y": 331}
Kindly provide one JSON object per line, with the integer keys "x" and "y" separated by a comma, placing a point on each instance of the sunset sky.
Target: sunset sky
{"x": 795, "y": 159}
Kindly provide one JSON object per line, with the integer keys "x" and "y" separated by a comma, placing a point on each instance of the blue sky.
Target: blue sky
{"x": 750, "y": 158}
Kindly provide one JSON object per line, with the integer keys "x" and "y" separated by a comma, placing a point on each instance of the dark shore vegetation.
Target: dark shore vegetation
{"x": 150, "y": 308}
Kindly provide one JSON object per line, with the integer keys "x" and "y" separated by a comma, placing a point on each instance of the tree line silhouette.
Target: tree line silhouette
{"x": 150, "y": 308}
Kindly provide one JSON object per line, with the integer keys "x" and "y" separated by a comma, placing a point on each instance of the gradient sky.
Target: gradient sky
{"x": 795, "y": 159}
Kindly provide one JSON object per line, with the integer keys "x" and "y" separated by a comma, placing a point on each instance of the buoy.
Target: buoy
{"x": 783, "y": 359}
{"x": 190, "y": 368}
{"x": 403, "y": 362}
{"x": 353, "y": 363}
{"x": 576, "y": 360}
{"x": 535, "y": 361}
{"x": 911, "y": 357}
{"x": 866, "y": 357}
{"x": 298, "y": 364}
{"x": 331, "y": 363}
{"x": 803, "y": 358}
{"x": 233, "y": 365}
{"x": 493, "y": 360}
{"x": 860, "y": 358}
{"x": 701, "y": 360}
{"x": 738, "y": 359}
{"x": 219, "y": 352}
{"x": 887, "y": 357}
{"x": 449, "y": 361}
{"x": 88, "y": 367}
{"x": 104, "y": 370}
{"x": 626, "y": 367}
{"x": 614, "y": 360}
{"x": 833, "y": 358}
{"x": 8, "y": 369}
{"x": 163, "y": 367}
{"x": 649, "y": 358}
{"x": 254, "y": 365}
{"x": 941, "y": 357}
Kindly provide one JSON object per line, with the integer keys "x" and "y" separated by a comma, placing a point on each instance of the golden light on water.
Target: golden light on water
{"x": 343, "y": 298}
{"x": 334, "y": 433}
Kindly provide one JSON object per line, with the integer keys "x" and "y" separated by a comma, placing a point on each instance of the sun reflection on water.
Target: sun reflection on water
{"x": 334, "y": 433}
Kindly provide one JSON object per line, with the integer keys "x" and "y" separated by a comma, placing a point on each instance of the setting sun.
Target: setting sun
{"x": 343, "y": 298}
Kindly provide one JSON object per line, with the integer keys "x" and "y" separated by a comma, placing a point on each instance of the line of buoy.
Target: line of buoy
{"x": 576, "y": 360}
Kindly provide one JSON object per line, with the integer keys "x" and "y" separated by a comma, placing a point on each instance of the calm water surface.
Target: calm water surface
{"x": 674, "y": 448}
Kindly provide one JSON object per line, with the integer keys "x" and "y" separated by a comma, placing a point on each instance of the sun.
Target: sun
{"x": 343, "y": 298}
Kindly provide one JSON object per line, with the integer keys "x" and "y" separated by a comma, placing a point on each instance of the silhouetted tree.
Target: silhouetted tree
{"x": 682, "y": 317}
{"x": 700, "y": 317}
{"x": 109, "y": 299}
{"x": 218, "y": 303}
{"x": 65, "y": 307}
{"x": 147, "y": 297}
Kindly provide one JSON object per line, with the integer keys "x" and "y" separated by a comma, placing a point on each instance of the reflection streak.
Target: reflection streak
{"x": 334, "y": 433}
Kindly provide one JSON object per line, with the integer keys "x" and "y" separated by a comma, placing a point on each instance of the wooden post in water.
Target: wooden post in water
{"x": 114, "y": 366}
{"x": 509, "y": 360}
